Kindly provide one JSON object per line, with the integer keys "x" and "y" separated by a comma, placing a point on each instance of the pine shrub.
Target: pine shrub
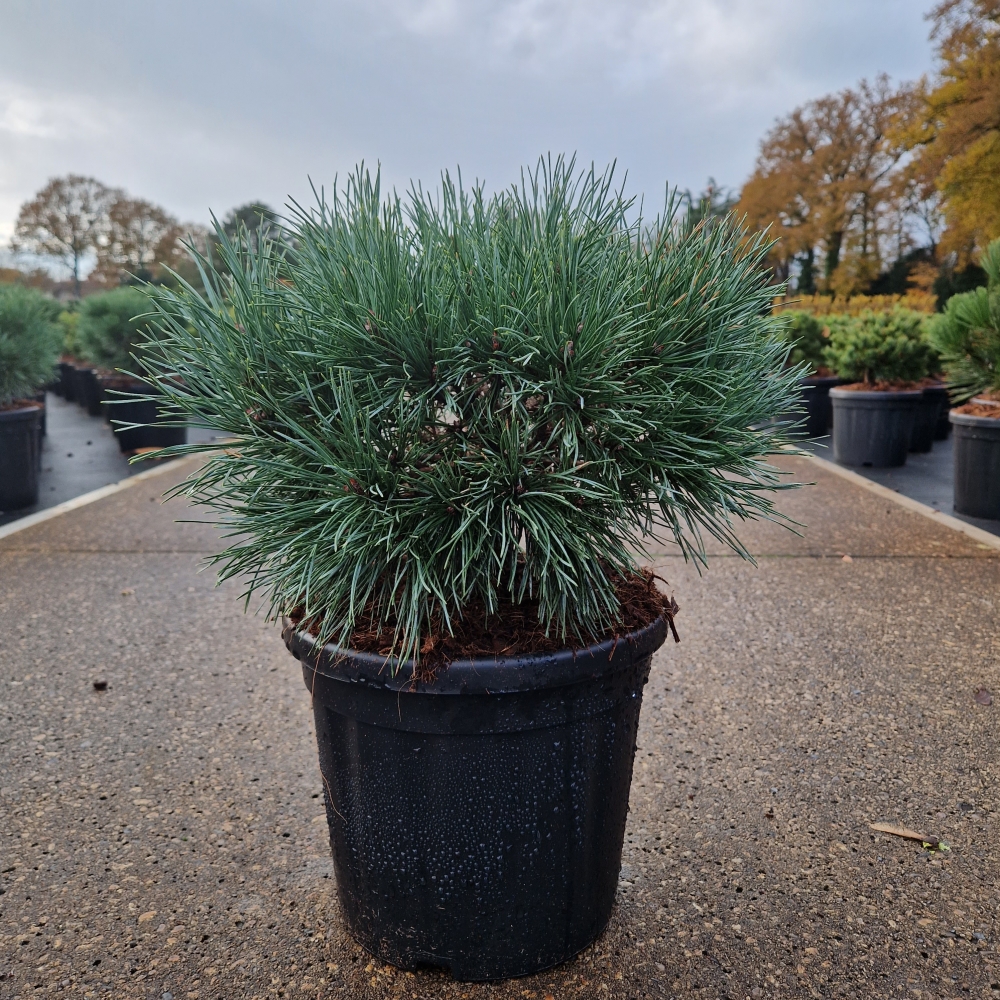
{"x": 967, "y": 334}
{"x": 807, "y": 338}
{"x": 461, "y": 400}
{"x": 29, "y": 341}
{"x": 882, "y": 347}
{"x": 111, "y": 327}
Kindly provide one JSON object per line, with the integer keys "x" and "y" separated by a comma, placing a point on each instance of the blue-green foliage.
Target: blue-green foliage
{"x": 463, "y": 398}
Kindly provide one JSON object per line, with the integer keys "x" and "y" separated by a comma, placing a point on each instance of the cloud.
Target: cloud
{"x": 209, "y": 103}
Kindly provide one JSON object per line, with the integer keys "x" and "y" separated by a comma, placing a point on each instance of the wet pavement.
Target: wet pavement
{"x": 165, "y": 837}
{"x": 926, "y": 477}
{"x": 79, "y": 453}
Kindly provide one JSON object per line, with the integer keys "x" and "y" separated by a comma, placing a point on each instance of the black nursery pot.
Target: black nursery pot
{"x": 134, "y": 411}
{"x": 477, "y": 821}
{"x": 67, "y": 381}
{"x": 88, "y": 391}
{"x": 977, "y": 465}
{"x": 925, "y": 424}
{"x": 20, "y": 439}
{"x": 872, "y": 427}
{"x": 816, "y": 397}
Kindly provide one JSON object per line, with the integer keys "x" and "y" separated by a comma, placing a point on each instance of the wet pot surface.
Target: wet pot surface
{"x": 20, "y": 444}
{"x": 477, "y": 821}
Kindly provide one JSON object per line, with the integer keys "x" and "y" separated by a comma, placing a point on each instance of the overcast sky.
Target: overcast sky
{"x": 204, "y": 104}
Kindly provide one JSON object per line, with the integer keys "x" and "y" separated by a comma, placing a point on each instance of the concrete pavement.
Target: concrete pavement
{"x": 165, "y": 837}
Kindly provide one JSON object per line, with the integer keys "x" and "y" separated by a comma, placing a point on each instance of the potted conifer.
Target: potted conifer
{"x": 809, "y": 339}
{"x": 452, "y": 422}
{"x": 110, "y": 331}
{"x": 967, "y": 335}
{"x": 29, "y": 347}
{"x": 884, "y": 357}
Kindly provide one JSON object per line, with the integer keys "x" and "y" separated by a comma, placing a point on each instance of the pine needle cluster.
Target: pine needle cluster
{"x": 457, "y": 397}
{"x": 967, "y": 334}
{"x": 881, "y": 347}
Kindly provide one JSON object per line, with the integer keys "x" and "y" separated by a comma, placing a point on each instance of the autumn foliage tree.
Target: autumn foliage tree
{"x": 958, "y": 134}
{"x": 876, "y": 175}
{"x": 825, "y": 183}
{"x": 67, "y": 219}
{"x": 140, "y": 235}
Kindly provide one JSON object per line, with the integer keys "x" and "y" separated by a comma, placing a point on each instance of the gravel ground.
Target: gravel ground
{"x": 165, "y": 837}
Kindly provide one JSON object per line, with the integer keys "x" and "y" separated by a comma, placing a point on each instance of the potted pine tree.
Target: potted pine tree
{"x": 967, "y": 335}
{"x": 110, "y": 331}
{"x": 29, "y": 347}
{"x": 808, "y": 339}
{"x": 453, "y": 422}
{"x": 884, "y": 357}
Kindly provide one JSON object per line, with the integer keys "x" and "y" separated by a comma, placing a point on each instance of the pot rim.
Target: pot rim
{"x": 970, "y": 420}
{"x": 22, "y": 412}
{"x": 906, "y": 395}
{"x": 480, "y": 675}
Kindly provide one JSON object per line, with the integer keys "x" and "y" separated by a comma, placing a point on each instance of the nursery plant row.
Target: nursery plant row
{"x": 884, "y": 384}
{"x": 96, "y": 341}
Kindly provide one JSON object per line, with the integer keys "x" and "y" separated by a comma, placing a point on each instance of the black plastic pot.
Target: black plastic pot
{"x": 141, "y": 412}
{"x": 477, "y": 821}
{"x": 942, "y": 428}
{"x": 40, "y": 398}
{"x": 19, "y": 444}
{"x": 873, "y": 428}
{"x": 977, "y": 465}
{"x": 928, "y": 413}
{"x": 88, "y": 391}
{"x": 816, "y": 397}
{"x": 67, "y": 381}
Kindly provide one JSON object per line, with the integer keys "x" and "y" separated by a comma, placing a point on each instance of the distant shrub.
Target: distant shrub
{"x": 808, "y": 338}
{"x": 967, "y": 334}
{"x": 110, "y": 328}
{"x": 880, "y": 347}
{"x": 69, "y": 321}
{"x": 29, "y": 341}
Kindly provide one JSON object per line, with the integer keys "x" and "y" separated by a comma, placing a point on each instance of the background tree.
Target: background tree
{"x": 824, "y": 182}
{"x": 140, "y": 235}
{"x": 67, "y": 220}
{"x": 958, "y": 135}
{"x": 255, "y": 217}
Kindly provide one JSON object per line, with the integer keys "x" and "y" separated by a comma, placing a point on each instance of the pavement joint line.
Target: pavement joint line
{"x": 983, "y": 537}
{"x": 30, "y": 520}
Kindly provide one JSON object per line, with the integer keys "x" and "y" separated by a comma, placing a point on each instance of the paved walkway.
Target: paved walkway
{"x": 927, "y": 478}
{"x": 165, "y": 838}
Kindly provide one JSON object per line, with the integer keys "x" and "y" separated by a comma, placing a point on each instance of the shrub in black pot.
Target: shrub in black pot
{"x": 450, "y": 424}
{"x": 883, "y": 357}
{"x": 111, "y": 330}
{"x": 967, "y": 335}
{"x": 808, "y": 339}
{"x": 29, "y": 346}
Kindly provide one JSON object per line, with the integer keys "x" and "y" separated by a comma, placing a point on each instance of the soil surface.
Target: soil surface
{"x": 979, "y": 410}
{"x": 883, "y": 386}
{"x": 166, "y": 836}
{"x": 514, "y": 629}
